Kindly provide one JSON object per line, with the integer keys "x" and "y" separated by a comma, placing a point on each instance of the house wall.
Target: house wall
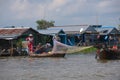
{"x": 90, "y": 39}
{"x": 70, "y": 40}
{"x": 63, "y": 38}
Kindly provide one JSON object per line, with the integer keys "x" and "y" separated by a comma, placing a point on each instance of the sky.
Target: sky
{"x": 63, "y": 12}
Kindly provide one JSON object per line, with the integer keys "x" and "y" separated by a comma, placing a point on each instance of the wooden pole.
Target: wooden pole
{"x": 11, "y": 50}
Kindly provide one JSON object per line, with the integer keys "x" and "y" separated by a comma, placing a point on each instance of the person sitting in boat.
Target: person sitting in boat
{"x": 100, "y": 49}
{"x": 38, "y": 49}
{"x": 43, "y": 48}
{"x": 48, "y": 47}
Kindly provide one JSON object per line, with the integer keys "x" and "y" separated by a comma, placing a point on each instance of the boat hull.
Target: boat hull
{"x": 48, "y": 55}
{"x": 109, "y": 54}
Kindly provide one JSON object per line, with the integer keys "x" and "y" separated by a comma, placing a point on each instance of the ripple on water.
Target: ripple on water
{"x": 72, "y": 67}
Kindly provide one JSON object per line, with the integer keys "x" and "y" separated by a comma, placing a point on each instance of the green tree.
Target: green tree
{"x": 43, "y": 24}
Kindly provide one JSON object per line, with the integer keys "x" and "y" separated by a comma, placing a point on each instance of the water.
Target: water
{"x": 72, "y": 67}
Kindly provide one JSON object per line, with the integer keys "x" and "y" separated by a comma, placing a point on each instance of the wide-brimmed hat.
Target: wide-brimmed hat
{"x": 30, "y": 35}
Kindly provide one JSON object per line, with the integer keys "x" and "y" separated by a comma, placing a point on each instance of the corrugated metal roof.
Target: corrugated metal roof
{"x": 74, "y": 29}
{"x": 70, "y": 27}
{"x": 8, "y": 37}
{"x": 107, "y": 30}
{"x": 72, "y": 32}
{"x": 11, "y": 32}
{"x": 50, "y": 31}
{"x": 104, "y": 30}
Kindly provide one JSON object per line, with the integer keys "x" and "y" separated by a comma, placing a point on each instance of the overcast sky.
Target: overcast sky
{"x": 63, "y": 12}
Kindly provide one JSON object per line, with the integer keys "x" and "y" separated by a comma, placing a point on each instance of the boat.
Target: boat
{"x": 59, "y": 50}
{"x": 105, "y": 52}
{"x": 47, "y": 55}
{"x": 109, "y": 54}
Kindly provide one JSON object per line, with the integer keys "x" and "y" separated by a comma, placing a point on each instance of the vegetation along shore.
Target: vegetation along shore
{"x": 82, "y": 49}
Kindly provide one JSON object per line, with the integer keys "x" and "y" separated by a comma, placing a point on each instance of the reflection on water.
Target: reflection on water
{"x": 72, "y": 67}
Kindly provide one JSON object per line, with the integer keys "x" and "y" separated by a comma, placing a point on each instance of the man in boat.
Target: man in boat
{"x": 48, "y": 47}
{"x": 30, "y": 43}
{"x": 114, "y": 47}
{"x": 38, "y": 49}
{"x": 42, "y": 48}
{"x": 98, "y": 52}
{"x": 100, "y": 49}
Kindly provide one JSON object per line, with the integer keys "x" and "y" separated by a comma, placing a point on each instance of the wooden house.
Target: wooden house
{"x": 16, "y": 36}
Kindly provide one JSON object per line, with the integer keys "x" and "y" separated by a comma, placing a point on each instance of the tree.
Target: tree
{"x": 43, "y": 24}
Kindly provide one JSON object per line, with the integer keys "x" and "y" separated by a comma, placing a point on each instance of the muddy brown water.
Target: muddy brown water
{"x": 72, "y": 67}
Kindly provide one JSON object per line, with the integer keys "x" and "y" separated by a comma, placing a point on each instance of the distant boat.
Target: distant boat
{"x": 109, "y": 54}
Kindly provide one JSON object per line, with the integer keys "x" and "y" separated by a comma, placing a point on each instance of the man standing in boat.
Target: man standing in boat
{"x": 30, "y": 43}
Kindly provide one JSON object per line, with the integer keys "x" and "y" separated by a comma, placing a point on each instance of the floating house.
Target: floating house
{"x": 50, "y": 33}
{"x": 76, "y": 34}
{"x": 15, "y": 36}
{"x": 108, "y": 34}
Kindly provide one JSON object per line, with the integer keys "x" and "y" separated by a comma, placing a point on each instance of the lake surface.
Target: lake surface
{"x": 72, "y": 67}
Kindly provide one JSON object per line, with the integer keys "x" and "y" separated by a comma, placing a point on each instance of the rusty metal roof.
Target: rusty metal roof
{"x": 11, "y": 32}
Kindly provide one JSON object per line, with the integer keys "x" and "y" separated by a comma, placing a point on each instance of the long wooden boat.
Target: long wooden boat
{"x": 48, "y": 55}
{"x": 109, "y": 54}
